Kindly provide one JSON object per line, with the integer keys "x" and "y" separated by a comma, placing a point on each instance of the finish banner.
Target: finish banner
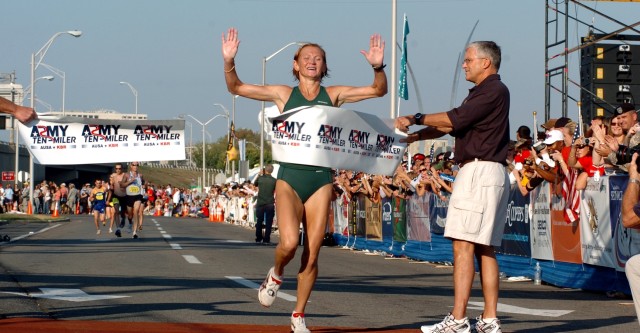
{"x": 336, "y": 138}
{"x": 76, "y": 140}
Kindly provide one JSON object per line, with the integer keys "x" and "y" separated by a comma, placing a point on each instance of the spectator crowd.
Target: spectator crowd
{"x": 560, "y": 152}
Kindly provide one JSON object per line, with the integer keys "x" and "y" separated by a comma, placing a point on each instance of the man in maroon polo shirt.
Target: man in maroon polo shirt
{"x": 478, "y": 205}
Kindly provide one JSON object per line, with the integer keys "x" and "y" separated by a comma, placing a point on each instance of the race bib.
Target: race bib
{"x": 133, "y": 189}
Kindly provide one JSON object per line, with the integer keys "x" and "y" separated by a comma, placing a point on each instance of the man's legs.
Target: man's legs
{"x": 463, "y": 274}
{"x": 259, "y": 223}
{"x": 489, "y": 278}
{"x": 269, "y": 212}
{"x": 632, "y": 269}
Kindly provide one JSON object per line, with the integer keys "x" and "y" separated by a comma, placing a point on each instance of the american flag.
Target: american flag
{"x": 571, "y": 196}
{"x": 569, "y": 192}
{"x": 576, "y": 134}
{"x": 431, "y": 157}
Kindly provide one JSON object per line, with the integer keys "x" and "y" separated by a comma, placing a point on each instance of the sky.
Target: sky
{"x": 169, "y": 51}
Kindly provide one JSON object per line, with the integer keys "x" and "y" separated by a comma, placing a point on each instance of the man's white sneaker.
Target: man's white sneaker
{"x": 269, "y": 289}
{"x": 297, "y": 323}
{"x": 448, "y": 325}
{"x": 98, "y": 232}
{"x": 488, "y": 326}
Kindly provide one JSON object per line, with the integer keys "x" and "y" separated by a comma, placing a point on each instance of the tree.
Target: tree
{"x": 217, "y": 151}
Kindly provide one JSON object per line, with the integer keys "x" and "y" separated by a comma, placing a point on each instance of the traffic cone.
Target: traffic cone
{"x": 78, "y": 208}
{"x": 29, "y": 208}
{"x": 55, "y": 211}
{"x": 185, "y": 210}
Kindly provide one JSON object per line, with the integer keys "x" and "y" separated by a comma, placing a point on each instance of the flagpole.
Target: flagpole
{"x": 394, "y": 82}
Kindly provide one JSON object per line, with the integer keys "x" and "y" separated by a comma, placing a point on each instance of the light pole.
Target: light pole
{"x": 203, "y": 140}
{"x": 233, "y": 120}
{"x": 36, "y": 59}
{"x": 264, "y": 77}
{"x": 134, "y": 91}
{"x": 64, "y": 81}
{"x": 226, "y": 164}
{"x": 17, "y": 128}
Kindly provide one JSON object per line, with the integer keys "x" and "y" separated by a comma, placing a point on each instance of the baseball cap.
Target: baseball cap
{"x": 625, "y": 107}
{"x": 553, "y": 136}
{"x": 418, "y": 157}
{"x": 551, "y": 123}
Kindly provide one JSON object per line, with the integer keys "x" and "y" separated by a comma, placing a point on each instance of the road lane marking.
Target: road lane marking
{"x": 255, "y": 286}
{"x": 175, "y": 246}
{"x": 167, "y": 236}
{"x": 191, "y": 259}
{"x": 163, "y": 232}
{"x": 71, "y": 295}
{"x": 521, "y": 310}
{"x": 31, "y": 233}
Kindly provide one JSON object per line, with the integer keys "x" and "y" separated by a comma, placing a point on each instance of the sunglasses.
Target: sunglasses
{"x": 580, "y": 146}
{"x": 118, "y": 168}
{"x": 615, "y": 124}
{"x": 134, "y": 165}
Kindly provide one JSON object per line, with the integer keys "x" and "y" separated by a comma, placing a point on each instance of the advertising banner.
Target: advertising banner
{"x": 595, "y": 224}
{"x": 627, "y": 241}
{"x": 438, "y": 212}
{"x": 76, "y": 140}
{"x": 517, "y": 227}
{"x": 336, "y": 138}
{"x": 373, "y": 220}
{"x": 418, "y": 224}
{"x": 541, "y": 226}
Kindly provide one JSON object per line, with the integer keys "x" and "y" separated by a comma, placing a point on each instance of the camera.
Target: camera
{"x": 624, "y": 154}
{"x": 539, "y": 146}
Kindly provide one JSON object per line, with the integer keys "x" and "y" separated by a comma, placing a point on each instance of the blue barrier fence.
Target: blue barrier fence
{"x": 356, "y": 226}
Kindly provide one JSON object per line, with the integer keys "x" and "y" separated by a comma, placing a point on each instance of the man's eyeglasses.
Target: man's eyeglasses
{"x": 467, "y": 61}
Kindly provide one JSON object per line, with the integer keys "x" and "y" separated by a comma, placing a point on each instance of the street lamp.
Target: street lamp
{"x": 226, "y": 163}
{"x": 64, "y": 81}
{"x": 34, "y": 65}
{"x": 134, "y": 91}
{"x": 264, "y": 77}
{"x": 17, "y": 129}
{"x": 203, "y": 140}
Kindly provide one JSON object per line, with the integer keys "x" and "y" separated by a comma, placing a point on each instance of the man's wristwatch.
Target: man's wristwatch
{"x": 418, "y": 118}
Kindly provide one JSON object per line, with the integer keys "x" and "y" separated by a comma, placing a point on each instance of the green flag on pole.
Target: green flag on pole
{"x": 403, "y": 92}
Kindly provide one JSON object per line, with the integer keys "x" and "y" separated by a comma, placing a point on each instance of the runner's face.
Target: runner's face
{"x": 311, "y": 62}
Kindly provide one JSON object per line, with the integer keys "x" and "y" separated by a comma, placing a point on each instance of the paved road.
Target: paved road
{"x": 187, "y": 275}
